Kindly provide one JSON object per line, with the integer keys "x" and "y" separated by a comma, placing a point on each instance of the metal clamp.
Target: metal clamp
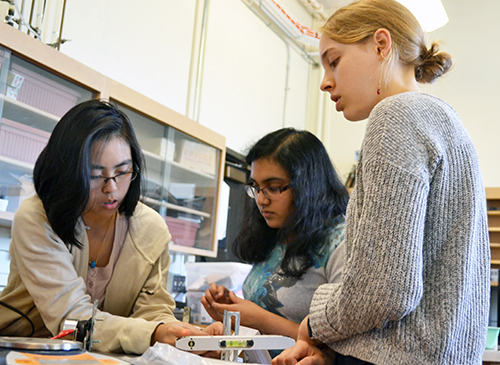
{"x": 83, "y": 330}
{"x": 230, "y": 355}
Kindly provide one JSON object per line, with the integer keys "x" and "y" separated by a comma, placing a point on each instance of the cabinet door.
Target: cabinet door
{"x": 181, "y": 182}
{"x": 32, "y": 100}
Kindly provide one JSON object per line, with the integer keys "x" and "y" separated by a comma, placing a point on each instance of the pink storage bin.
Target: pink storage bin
{"x": 45, "y": 94}
{"x": 21, "y": 142}
{"x": 183, "y": 232}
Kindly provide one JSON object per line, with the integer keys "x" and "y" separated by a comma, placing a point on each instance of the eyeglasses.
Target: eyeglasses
{"x": 124, "y": 177}
{"x": 271, "y": 193}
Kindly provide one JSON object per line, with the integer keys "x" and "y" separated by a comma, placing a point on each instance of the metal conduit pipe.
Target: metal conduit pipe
{"x": 287, "y": 76}
{"x": 315, "y": 8}
{"x": 201, "y": 58}
{"x": 59, "y": 39}
{"x": 289, "y": 41}
{"x": 197, "y": 61}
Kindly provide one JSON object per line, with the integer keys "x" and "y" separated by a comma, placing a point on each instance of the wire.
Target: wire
{"x": 21, "y": 314}
{"x": 62, "y": 334}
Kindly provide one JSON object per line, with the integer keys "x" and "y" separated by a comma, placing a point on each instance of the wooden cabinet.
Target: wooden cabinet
{"x": 32, "y": 100}
{"x": 183, "y": 158}
{"x": 493, "y": 204}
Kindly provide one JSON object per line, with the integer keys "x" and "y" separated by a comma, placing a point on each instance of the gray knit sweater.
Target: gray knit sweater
{"x": 415, "y": 286}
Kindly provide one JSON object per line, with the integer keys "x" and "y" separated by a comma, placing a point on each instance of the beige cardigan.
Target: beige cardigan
{"x": 46, "y": 280}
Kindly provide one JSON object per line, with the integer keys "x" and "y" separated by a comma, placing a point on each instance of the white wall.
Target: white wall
{"x": 144, "y": 45}
{"x": 244, "y": 80}
{"x": 148, "y": 47}
{"x": 473, "y": 86}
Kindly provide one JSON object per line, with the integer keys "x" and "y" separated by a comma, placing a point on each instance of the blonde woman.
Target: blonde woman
{"x": 415, "y": 284}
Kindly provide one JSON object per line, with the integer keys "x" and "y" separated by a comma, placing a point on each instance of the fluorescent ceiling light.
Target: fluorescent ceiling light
{"x": 429, "y": 13}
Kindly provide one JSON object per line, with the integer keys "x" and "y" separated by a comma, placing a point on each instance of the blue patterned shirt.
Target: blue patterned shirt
{"x": 287, "y": 296}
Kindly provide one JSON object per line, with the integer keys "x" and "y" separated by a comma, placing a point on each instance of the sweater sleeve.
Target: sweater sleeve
{"x": 382, "y": 280}
{"x": 383, "y": 277}
{"x": 45, "y": 267}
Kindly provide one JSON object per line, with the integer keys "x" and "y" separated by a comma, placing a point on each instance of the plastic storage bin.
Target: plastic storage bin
{"x": 20, "y": 141}
{"x": 43, "y": 93}
{"x": 230, "y": 274}
{"x": 492, "y": 338}
{"x": 199, "y": 314}
{"x": 183, "y": 232}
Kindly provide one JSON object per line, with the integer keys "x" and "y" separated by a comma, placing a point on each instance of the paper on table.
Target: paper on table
{"x": 163, "y": 354}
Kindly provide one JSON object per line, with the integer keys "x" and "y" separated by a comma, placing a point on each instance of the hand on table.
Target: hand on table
{"x": 303, "y": 353}
{"x": 306, "y": 350}
{"x": 169, "y": 332}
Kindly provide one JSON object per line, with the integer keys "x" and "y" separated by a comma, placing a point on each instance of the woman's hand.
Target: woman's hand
{"x": 249, "y": 311}
{"x": 215, "y": 294}
{"x": 303, "y": 353}
{"x": 169, "y": 332}
{"x": 214, "y": 329}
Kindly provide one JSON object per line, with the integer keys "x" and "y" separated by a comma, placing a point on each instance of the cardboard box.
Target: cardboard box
{"x": 159, "y": 146}
{"x": 182, "y": 190}
{"x": 198, "y": 156}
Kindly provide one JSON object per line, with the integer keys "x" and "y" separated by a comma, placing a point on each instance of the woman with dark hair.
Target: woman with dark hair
{"x": 85, "y": 237}
{"x": 290, "y": 236}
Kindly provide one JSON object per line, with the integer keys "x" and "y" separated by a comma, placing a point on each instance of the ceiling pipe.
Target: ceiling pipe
{"x": 315, "y": 9}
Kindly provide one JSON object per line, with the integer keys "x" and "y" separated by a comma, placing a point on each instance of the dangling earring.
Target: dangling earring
{"x": 380, "y": 78}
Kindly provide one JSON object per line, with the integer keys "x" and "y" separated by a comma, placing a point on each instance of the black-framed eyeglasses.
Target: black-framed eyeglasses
{"x": 123, "y": 177}
{"x": 269, "y": 192}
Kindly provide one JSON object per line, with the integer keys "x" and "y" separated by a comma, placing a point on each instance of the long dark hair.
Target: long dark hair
{"x": 62, "y": 171}
{"x": 318, "y": 197}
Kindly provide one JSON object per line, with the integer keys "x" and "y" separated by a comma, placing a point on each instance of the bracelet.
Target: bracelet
{"x": 321, "y": 346}
{"x": 309, "y": 329}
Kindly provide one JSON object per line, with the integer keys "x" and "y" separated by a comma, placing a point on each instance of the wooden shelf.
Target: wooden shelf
{"x": 29, "y": 115}
{"x": 493, "y": 201}
{"x": 154, "y": 164}
{"x": 178, "y": 208}
{"x": 6, "y": 219}
{"x": 10, "y": 167}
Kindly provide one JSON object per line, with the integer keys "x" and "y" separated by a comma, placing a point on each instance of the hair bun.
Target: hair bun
{"x": 432, "y": 64}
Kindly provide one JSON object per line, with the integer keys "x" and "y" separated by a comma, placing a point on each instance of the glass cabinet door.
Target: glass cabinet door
{"x": 32, "y": 100}
{"x": 180, "y": 182}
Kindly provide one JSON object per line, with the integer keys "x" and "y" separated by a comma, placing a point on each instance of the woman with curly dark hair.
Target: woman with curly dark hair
{"x": 291, "y": 235}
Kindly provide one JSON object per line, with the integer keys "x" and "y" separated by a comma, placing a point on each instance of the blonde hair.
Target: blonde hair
{"x": 358, "y": 21}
